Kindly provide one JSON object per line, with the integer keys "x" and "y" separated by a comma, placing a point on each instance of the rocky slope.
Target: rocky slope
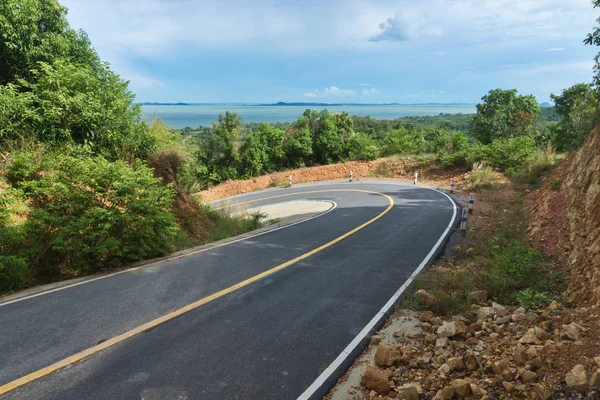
{"x": 565, "y": 216}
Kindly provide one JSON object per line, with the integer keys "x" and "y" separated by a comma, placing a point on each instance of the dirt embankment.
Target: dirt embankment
{"x": 565, "y": 219}
{"x": 383, "y": 168}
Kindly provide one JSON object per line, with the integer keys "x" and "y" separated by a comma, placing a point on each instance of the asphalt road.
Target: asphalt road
{"x": 270, "y": 339}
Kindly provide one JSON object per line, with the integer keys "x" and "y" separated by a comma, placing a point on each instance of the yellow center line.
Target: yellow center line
{"x": 167, "y": 317}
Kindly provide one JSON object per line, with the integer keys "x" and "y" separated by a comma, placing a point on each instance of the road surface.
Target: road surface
{"x": 274, "y": 316}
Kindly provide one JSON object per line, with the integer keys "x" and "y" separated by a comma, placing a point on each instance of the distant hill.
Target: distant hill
{"x": 546, "y": 104}
{"x": 301, "y": 104}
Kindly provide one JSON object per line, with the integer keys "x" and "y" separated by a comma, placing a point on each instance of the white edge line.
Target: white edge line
{"x": 170, "y": 258}
{"x": 312, "y": 389}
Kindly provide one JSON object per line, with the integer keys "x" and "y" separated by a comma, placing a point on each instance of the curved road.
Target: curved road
{"x": 278, "y": 315}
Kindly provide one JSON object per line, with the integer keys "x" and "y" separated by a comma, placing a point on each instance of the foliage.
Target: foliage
{"x": 297, "y": 144}
{"x": 504, "y": 114}
{"x": 593, "y": 39}
{"x": 532, "y": 299}
{"x": 262, "y": 151}
{"x": 403, "y": 140}
{"x": 482, "y": 176}
{"x": 227, "y": 225}
{"x": 362, "y": 147}
{"x": 511, "y": 153}
{"x": 89, "y": 212}
{"x": 578, "y": 107}
{"x": 328, "y": 137}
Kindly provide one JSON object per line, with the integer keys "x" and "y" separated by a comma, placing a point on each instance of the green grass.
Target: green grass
{"x": 228, "y": 225}
{"x": 482, "y": 176}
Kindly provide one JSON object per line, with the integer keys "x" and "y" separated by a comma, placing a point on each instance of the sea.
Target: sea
{"x": 194, "y": 116}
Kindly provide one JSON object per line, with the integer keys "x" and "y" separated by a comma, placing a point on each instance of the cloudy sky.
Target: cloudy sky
{"x": 366, "y": 51}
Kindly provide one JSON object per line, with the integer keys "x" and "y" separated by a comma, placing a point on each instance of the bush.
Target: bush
{"x": 14, "y": 273}
{"x": 482, "y": 176}
{"x": 89, "y": 213}
{"x": 530, "y": 298}
{"x": 511, "y": 153}
{"x": 362, "y": 147}
{"x": 403, "y": 141}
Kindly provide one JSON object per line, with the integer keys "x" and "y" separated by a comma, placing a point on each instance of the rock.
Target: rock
{"x": 500, "y": 310}
{"x": 376, "y": 380}
{"x": 532, "y": 352}
{"x": 456, "y": 364}
{"x": 478, "y": 296}
{"x": 375, "y": 339}
{"x": 508, "y": 386}
{"x": 425, "y": 298}
{"x": 494, "y": 336}
{"x": 595, "y": 379}
{"x": 446, "y": 394}
{"x": 535, "y": 363}
{"x": 540, "y": 333}
{"x": 520, "y": 354}
{"x": 500, "y": 367}
{"x": 520, "y": 310}
{"x": 462, "y": 388}
{"x": 444, "y": 369}
{"x": 485, "y": 312}
{"x": 430, "y": 338}
{"x": 441, "y": 342}
{"x": 542, "y": 392}
{"x": 436, "y": 321}
{"x": 530, "y": 338}
{"x": 407, "y": 357}
{"x": 386, "y": 355}
{"x": 576, "y": 378}
{"x": 554, "y": 305}
{"x": 527, "y": 376}
{"x": 407, "y": 392}
{"x": 471, "y": 362}
{"x": 475, "y": 326}
{"x": 570, "y": 332}
{"x": 597, "y": 360}
{"x": 475, "y": 390}
{"x": 503, "y": 320}
{"x": 452, "y": 328}
{"x": 399, "y": 334}
{"x": 426, "y": 316}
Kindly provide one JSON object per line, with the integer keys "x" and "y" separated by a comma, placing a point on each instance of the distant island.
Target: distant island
{"x": 281, "y": 103}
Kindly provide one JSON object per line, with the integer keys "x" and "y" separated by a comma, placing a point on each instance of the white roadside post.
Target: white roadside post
{"x": 350, "y": 176}
{"x": 463, "y": 221}
{"x": 416, "y": 178}
{"x": 452, "y": 186}
{"x": 471, "y": 201}
{"x": 290, "y": 178}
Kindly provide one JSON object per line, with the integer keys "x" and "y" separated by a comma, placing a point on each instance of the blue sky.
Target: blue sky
{"x": 365, "y": 51}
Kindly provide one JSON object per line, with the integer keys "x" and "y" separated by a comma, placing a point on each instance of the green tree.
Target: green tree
{"x": 297, "y": 144}
{"x": 362, "y": 147}
{"x": 33, "y": 31}
{"x": 578, "y": 107}
{"x": 403, "y": 140}
{"x": 504, "y": 114}
{"x": 218, "y": 149}
{"x": 328, "y": 142}
{"x": 593, "y": 39}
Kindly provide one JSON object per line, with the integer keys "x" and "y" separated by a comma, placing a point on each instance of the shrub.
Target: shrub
{"x": 482, "y": 176}
{"x": 14, "y": 273}
{"x": 530, "y": 298}
{"x": 403, "y": 141}
{"x": 384, "y": 171}
{"x": 511, "y": 153}
{"x": 89, "y": 213}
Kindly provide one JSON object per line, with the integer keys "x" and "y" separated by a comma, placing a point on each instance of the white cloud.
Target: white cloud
{"x": 406, "y": 25}
{"x": 332, "y": 91}
{"x": 370, "y": 92}
{"x": 365, "y": 84}
{"x": 556, "y": 49}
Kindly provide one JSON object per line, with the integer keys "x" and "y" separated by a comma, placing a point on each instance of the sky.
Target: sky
{"x": 347, "y": 51}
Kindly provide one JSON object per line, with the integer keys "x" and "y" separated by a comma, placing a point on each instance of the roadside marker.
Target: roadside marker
{"x": 452, "y": 186}
{"x": 290, "y": 178}
{"x": 463, "y": 221}
{"x": 350, "y": 176}
{"x": 416, "y": 179}
{"x": 471, "y": 201}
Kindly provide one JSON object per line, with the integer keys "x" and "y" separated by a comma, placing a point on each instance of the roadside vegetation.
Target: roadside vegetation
{"x": 86, "y": 184}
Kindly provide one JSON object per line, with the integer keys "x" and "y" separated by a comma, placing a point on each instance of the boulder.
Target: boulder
{"x": 456, "y": 363}
{"x": 570, "y": 332}
{"x": 452, "y": 328}
{"x": 530, "y": 338}
{"x": 446, "y": 393}
{"x": 540, "y": 333}
{"x": 441, "y": 342}
{"x": 426, "y": 316}
{"x": 377, "y": 380}
{"x": 386, "y": 355}
{"x": 577, "y": 377}
{"x": 520, "y": 354}
{"x": 425, "y": 298}
{"x": 407, "y": 392}
{"x": 527, "y": 376}
{"x": 478, "y": 296}
{"x": 444, "y": 369}
{"x": 485, "y": 312}
{"x": 462, "y": 388}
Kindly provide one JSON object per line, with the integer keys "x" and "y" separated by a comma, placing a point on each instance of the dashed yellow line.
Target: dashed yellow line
{"x": 167, "y": 317}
